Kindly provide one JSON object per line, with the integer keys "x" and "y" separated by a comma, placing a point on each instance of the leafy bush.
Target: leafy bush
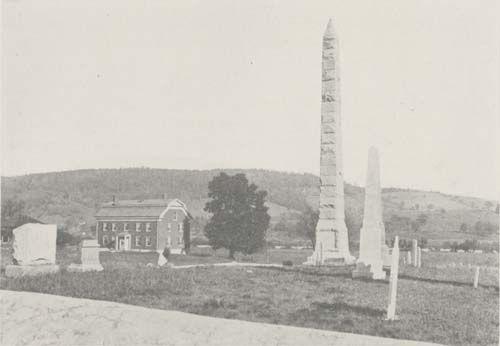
{"x": 166, "y": 253}
{"x": 64, "y": 238}
{"x": 287, "y": 263}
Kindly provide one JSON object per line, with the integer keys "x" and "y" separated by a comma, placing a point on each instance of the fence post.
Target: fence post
{"x": 393, "y": 282}
{"x": 476, "y": 277}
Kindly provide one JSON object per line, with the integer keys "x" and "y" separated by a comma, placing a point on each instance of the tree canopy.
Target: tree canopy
{"x": 239, "y": 215}
{"x": 307, "y": 222}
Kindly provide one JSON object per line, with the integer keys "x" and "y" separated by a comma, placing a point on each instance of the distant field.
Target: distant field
{"x": 434, "y": 304}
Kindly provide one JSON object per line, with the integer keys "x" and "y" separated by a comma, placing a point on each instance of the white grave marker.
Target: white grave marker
{"x": 393, "y": 282}
{"x": 476, "y": 277}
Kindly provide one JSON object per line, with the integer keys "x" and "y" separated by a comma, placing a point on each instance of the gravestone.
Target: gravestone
{"x": 89, "y": 258}
{"x": 161, "y": 259}
{"x": 34, "y": 250}
{"x": 372, "y": 234}
{"x": 408, "y": 257}
{"x": 393, "y": 282}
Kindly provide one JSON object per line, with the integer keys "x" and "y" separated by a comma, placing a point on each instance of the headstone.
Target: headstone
{"x": 393, "y": 282}
{"x": 34, "y": 250}
{"x": 89, "y": 257}
{"x": 414, "y": 259}
{"x": 332, "y": 244}
{"x": 408, "y": 257}
{"x": 161, "y": 259}
{"x": 476, "y": 277}
{"x": 372, "y": 238}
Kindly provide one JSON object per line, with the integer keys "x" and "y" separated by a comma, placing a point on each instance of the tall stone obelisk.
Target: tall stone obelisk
{"x": 372, "y": 235}
{"x": 332, "y": 244}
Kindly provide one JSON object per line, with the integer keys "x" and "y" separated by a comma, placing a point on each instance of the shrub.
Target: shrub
{"x": 287, "y": 263}
{"x": 166, "y": 253}
{"x": 64, "y": 238}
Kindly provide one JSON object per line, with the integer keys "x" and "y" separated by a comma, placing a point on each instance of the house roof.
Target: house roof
{"x": 138, "y": 208}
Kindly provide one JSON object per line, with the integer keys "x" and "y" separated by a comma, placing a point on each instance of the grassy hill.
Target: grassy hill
{"x": 71, "y": 199}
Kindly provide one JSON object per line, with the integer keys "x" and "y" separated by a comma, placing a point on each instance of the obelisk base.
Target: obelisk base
{"x": 332, "y": 245}
{"x": 363, "y": 270}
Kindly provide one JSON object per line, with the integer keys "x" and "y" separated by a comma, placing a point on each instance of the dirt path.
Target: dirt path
{"x": 41, "y": 319}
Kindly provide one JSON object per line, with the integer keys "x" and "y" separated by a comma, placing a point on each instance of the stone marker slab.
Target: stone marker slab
{"x": 35, "y": 244}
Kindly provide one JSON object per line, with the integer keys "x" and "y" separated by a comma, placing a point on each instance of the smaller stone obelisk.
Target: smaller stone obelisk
{"x": 372, "y": 234}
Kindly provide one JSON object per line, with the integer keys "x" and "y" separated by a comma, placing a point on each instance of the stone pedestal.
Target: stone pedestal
{"x": 89, "y": 258}
{"x": 366, "y": 271}
{"x": 15, "y": 271}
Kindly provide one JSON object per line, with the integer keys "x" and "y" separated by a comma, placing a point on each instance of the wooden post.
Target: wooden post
{"x": 393, "y": 282}
{"x": 320, "y": 253}
{"x": 419, "y": 257}
{"x": 476, "y": 277}
{"x": 267, "y": 247}
{"x": 414, "y": 252}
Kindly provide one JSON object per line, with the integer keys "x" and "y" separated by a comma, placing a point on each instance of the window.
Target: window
{"x": 125, "y": 226}
{"x": 148, "y": 227}
{"x": 5, "y": 238}
{"x": 148, "y": 241}
{"x": 105, "y": 240}
{"x": 175, "y": 216}
{"x": 137, "y": 241}
{"x": 179, "y": 227}
{"x": 113, "y": 227}
{"x": 169, "y": 226}
{"x": 104, "y": 227}
{"x": 137, "y": 227}
{"x": 179, "y": 240}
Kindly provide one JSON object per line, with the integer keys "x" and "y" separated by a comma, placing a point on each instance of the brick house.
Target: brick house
{"x": 142, "y": 225}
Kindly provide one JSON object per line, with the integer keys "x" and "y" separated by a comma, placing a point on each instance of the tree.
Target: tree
{"x": 186, "y": 226}
{"x": 419, "y": 222}
{"x": 307, "y": 223}
{"x": 239, "y": 216}
{"x": 463, "y": 228}
{"x": 422, "y": 242}
{"x": 65, "y": 238}
{"x": 488, "y": 205}
{"x": 11, "y": 208}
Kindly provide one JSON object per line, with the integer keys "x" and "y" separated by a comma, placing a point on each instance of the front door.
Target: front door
{"x": 124, "y": 242}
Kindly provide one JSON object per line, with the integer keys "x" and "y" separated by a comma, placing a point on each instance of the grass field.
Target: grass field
{"x": 434, "y": 304}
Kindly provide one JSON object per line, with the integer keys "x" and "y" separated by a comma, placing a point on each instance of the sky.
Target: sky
{"x": 237, "y": 84}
